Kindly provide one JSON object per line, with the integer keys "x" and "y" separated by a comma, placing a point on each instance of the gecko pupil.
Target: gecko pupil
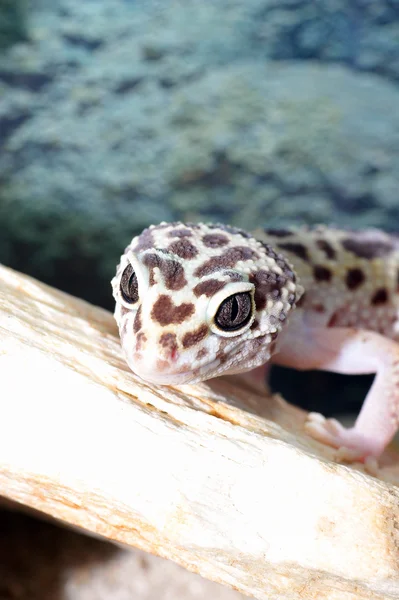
{"x": 234, "y": 312}
{"x": 129, "y": 285}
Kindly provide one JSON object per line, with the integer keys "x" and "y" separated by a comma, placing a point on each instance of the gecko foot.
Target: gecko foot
{"x": 351, "y": 445}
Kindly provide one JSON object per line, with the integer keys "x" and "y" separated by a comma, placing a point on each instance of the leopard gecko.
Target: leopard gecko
{"x": 195, "y": 301}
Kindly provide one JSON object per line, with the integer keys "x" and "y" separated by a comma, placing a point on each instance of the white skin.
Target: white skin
{"x": 348, "y": 351}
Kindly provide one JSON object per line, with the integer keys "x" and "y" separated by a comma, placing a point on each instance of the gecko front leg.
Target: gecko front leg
{"x": 349, "y": 351}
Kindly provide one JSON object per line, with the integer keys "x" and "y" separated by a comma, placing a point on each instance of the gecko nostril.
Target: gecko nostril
{"x": 168, "y": 343}
{"x": 170, "y": 354}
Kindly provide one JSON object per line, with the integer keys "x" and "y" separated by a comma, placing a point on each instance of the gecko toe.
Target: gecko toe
{"x": 350, "y": 444}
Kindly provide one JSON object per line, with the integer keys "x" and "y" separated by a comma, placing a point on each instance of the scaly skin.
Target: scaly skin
{"x": 196, "y": 301}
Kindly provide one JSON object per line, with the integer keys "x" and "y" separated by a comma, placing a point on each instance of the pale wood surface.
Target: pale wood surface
{"x": 214, "y": 477}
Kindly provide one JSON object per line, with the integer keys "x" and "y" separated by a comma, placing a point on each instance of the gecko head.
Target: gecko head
{"x": 196, "y": 301}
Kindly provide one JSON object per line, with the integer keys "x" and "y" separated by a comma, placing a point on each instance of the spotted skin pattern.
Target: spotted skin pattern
{"x": 319, "y": 298}
{"x": 351, "y": 278}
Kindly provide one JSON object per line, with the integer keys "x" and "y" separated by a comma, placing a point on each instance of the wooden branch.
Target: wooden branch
{"x": 214, "y": 476}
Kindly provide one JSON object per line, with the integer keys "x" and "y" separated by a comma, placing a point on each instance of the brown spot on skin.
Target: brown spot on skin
{"x": 319, "y": 308}
{"x": 258, "y": 342}
{"x": 222, "y": 356}
{"x": 137, "y": 321}
{"x": 124, "y": 310}
{"x": 354, "y": 278}
{"x": 145, "y": 241}
{"x": 183, "y": 248}
{"x": 215, "y": 240}
{"x": 333, "y": 320}
{"x": 209, "y": 287}
{"x": 327, "y": 249}
{"x": 280, "y": 262}
{"x": 272, "y": 347}
{"x": 301, "y": 301}
{"x": 162, "y": 365}
{"x": 227, "y": 260}
{"x": 270, "y": 251}
{"x": 141, "y": 339}
{"x": 321, "y": 273}
{"x": 234, "y": 275}
{"x": 367, "y": 247}
{"x": 171, "y": 270}
{"x": 295, "y": 248}
{"x": 380, "y": 297}
{"x": 202, "y": 352}
{"x": 180, "y": 233}
{"x": 169, "y": 342}
{"x": 280, "y": 233}
{"x": 123, "y": 330}
{"x": 266, "y": 284}
{"x": 151, "y": 280}
{"x": 194, "y": 337}
{"x": 290, "y": 274}
{"x": 255, "y": 324}
{"x": 165, "y": 312}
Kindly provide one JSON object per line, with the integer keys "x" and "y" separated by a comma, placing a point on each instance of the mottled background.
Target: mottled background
{"x": 115, "y": 114}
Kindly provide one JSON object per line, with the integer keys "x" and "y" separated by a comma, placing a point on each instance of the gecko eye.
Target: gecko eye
{"x": 234, "y": 312}
{"x": 129, "y": 287}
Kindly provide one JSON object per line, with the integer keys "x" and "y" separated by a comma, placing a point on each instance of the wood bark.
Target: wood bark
{"x": 215, "y": 476}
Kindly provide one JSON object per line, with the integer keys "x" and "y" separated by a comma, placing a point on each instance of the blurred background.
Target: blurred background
{"x": 115, "y": 114}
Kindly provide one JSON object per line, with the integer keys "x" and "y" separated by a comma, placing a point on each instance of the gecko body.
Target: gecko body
{"x": 195, "y": 301}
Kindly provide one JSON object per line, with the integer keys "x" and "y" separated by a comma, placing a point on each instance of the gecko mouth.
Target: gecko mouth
{"x": 170, "y": 378}
{"x": 161, "y": 372}
{"x": 195, "y": 375}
